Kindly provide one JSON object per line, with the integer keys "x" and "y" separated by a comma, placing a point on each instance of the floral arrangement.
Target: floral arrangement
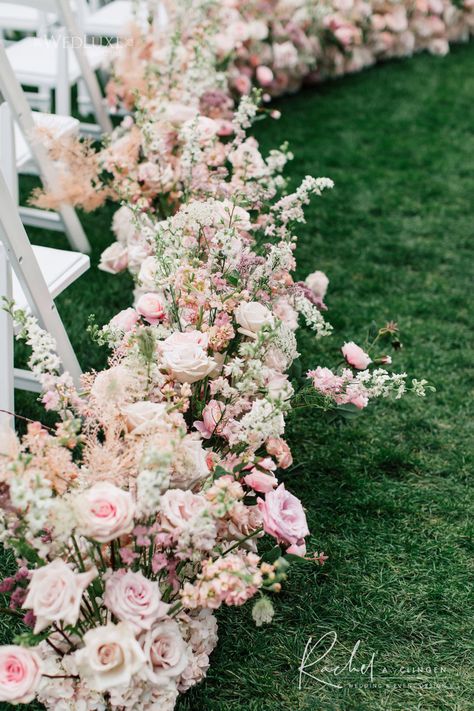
{"x": 158, "y": 496}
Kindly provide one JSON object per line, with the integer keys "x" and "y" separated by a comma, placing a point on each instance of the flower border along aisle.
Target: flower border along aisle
{"x": 146, "y": 507}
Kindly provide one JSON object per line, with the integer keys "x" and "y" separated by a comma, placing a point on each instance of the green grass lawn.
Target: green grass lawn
{"x": 388, "y": 497}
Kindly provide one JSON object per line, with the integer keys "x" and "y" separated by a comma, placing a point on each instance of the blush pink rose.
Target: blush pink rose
{"x": 279, "y": 449}
{"x": 165, "y": 651}
{"x": 355, "y": 356}
{"x": 211, "y": 419}
{"x": 185, "y": 356}
{"x": 55, "y": 593}
{"x": 261, "y": 482}
{"x": 151, "y": 308}
{"x": 20, "y": 674}
{"x": 264, "y": 75}
{"x": 318, "y": 283}
{"x": 104, "y": 512}
{"x": 125, "y": 320}
{"x": 111, "y": 656}
{"x": 114, "y": 259}
{"x": 283, "y": 516}
{"x": 134, "y": 599}
{"x": 178, "y": 507}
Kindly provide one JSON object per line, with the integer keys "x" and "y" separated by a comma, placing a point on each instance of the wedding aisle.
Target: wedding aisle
{"x": 386, "y": 496}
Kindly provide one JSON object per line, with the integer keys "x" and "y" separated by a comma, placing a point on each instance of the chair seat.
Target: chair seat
{"x": 34, "y": 61}
{"x": 112, "y": 20}
{"x": 58, "y": 125}
{"x": 59, "y": 267}
{"x": 21, "y": 17}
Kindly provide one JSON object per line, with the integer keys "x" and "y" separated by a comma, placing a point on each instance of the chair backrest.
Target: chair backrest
{"x": 66, "y": 16}
{"x": 21, "y": 113}
{"x": 22, "y": 259}
{"x": 41, "y": 5}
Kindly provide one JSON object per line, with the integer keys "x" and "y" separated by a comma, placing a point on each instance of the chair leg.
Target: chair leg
{"x": 6, "y": 340}
{"x": 74, "y": 230}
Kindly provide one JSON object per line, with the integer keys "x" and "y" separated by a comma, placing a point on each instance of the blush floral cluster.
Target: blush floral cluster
{"x": 142, "y": 511}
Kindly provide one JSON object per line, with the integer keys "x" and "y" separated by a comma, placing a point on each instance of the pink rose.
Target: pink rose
{"x": 55, "y": 593}
{"x": 261, "y": 482}
{"x": 20, "y": 674}
{"x": 264, "y": 75}
{"x": 279, "y": 449}
{"x": 134, "y": 599}
{"x": 355, "y": 356}
{"x": 165, "y": 652}
{"x": 151, "y": 308}
{"x": 211, "y": 419}
{"x": 104, "y": 512}
{"x": 125, "y": 320}
{"x": 283, "y": 516}
{"x": 114, "y": 259}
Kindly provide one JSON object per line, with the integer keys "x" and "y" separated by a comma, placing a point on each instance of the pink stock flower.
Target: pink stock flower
{"x": 211, "y": 419}
{"x": 151, "y": 308}
{"x": 284, "y": 517}
{"x": 134, "y": 599}
{"x": 55, "y": 593}
{"x": 20, "y": 674}
{"x": 355, "y": 356}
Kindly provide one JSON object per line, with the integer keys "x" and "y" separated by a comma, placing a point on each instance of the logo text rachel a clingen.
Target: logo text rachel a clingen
{"x": 357, "y": 667}
{"x": 316, "y": 662}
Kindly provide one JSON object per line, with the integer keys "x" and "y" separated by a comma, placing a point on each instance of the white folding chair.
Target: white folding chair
{"x": 19, "y": 18}
{"x": 111, "y": 20}
{"x": 59, "y": 62}
{"x": 20, "y": 152}
{"x": 33, "y": 277}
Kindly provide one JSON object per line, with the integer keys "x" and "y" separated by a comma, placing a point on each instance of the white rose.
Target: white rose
{"x": 318, "y": 283}
{"x": 134, "y": 599}
{"x": 251, "y": 316}
{"x": 143, "y": 416}
{"x": 104, "y": 512}
{"x": 55, "y": 593}
{"x": 110, "y": 657}
{"x": 165, "y": 652}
